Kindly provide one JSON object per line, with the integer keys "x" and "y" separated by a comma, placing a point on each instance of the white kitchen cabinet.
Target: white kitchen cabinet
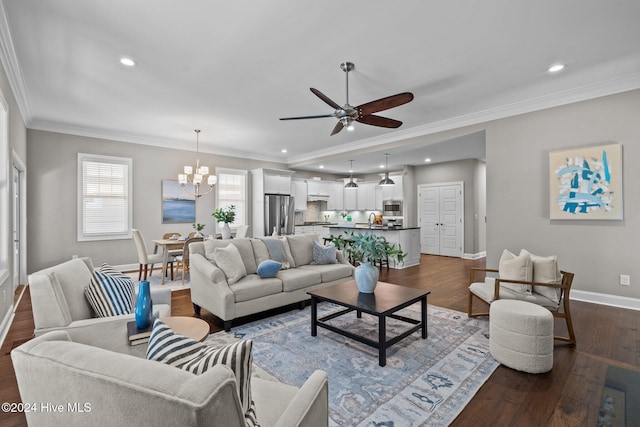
{"x": 299, "y": 194}
{"x": 277, "y": 183}
{"x": 410, "y": 242}
{"x": 303, "y": 229}
{"x": 351, "y": 199}
{"x": 336, "y": 196}
{"x": 393, "y": 192}
{"x": 317, "y": 187}
{"x": 366, "y": 198}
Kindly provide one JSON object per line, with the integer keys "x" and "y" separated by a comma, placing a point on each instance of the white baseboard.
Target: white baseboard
{"x": 129, "y": 267}
{"x": 6, "y": 324}
{"x": 479, "y": 255}
{"x": 606, "y": 299}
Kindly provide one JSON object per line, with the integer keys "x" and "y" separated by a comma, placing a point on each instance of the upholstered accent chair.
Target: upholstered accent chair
{"x": 549, "y": 288}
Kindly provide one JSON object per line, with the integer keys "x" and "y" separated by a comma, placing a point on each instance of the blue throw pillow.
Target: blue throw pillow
{"x": 268, "y": 268}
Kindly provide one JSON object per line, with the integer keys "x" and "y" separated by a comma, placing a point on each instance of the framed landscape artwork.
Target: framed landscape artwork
{"x": 586, "y": 183}
{"x": 177, "y": 205}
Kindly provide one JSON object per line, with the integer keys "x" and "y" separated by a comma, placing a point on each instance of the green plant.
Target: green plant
{"x": 226, "y": 214}
{"x": 368, "y": 247}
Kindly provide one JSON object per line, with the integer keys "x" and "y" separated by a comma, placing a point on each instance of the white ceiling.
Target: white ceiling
{"x": 233, "y": 68}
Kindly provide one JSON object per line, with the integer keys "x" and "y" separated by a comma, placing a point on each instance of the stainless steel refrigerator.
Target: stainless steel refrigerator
{"x": 279, "y": 213}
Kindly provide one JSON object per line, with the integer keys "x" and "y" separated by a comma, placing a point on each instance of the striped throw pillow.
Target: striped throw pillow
{"x": 182, "y": 352}
{"x": 110, "y": 293}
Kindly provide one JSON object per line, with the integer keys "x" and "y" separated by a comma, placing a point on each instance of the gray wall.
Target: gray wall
{"x": 518, "y": 191}
{"x": 52, "y": 196}
{"x": 466, "y": 171}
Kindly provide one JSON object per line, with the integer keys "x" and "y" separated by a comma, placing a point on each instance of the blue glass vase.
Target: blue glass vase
{"x": 366, "y": 276}
{"x": 144, "y": 306}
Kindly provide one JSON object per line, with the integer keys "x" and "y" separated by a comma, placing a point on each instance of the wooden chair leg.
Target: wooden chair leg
{"x": 146, "y": 267}
{"x": 140, "y": 272}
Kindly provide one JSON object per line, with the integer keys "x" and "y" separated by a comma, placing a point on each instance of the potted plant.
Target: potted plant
{"x": 226, "y": 215}
{"x": 198, "y": 228}
{"x": 366, "y": 248}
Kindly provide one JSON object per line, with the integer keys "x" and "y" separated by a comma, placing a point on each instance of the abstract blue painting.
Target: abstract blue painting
{"x": 177, "y": 205}
{"x": 586, "y": 183}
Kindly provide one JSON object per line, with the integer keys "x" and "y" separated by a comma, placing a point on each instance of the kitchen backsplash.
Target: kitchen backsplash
{"x": 316, "y": 212}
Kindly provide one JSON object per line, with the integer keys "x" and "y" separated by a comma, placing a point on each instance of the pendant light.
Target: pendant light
{"x": 386, "y": 181}
{"x": 198, "y": 175}
{"x": 351, "y": 185}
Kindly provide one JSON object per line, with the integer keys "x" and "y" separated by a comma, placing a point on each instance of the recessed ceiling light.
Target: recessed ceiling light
{"x": 555, "y": 68}
{"x": 381, "y": 166}
{"x": 427, "y": 160}
{"x": 284, "y": 150}
{"x": 321, "y": 166}
{"x": 127, "y": 61}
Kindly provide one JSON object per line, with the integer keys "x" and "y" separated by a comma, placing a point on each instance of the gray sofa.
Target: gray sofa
{"x": 101, "y": 387}
{"x": 253, "y": 294}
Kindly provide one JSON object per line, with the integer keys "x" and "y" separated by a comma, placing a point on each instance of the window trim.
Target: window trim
{"x": 242, "y": 172}
{"x": 128, "y": 162}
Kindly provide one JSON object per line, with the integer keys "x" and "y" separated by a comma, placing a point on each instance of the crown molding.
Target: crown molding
{"x": 144, "y": 140}
{"x": 12, "y": 67}
{"x": 581, "y": 93}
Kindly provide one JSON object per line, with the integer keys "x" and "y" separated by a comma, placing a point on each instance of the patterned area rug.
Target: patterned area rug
{"x": 426, "y": 382}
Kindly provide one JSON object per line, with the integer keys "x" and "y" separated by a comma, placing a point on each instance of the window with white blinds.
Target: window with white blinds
{"x": 232, "y": 190}
{"x": 104, "y": 197}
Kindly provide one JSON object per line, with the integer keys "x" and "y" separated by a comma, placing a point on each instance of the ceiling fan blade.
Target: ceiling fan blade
{"x": 325, "y": 98}
{"x": 308, "y": 117}
{"x": 337, "y": 129}
{"x": 384, "y": 103}
{"x": 380, "y": 121}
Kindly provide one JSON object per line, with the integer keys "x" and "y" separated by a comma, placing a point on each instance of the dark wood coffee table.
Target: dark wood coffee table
{"x": 384, "y": 302}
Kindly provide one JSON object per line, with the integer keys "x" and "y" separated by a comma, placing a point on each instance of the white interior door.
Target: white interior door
{"x": 441, "y": 219}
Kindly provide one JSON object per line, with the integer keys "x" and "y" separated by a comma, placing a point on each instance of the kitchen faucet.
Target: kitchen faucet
{"x": 374, "y": 217}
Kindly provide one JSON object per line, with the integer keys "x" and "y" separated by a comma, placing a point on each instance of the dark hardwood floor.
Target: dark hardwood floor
{"x": 569, "y": 395}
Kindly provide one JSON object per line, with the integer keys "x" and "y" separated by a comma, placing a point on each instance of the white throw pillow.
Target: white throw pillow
{"x": 230, "y": 262}
{"x": 545, "y": 270}
{"x": 512, "y": 267}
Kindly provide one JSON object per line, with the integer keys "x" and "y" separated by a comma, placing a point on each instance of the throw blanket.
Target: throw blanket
{"x": 276, "y": 250}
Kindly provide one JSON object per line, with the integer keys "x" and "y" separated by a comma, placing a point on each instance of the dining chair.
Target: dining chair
{"x": 183, "y": 260}
{"x": 145, "y": 258}
{"x": 242, "y": 231}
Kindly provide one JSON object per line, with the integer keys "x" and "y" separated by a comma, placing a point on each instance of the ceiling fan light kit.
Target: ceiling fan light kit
{"x": 364, "y": 113}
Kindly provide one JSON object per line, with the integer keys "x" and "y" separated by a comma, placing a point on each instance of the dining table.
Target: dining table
{"x": 166, "y": 244}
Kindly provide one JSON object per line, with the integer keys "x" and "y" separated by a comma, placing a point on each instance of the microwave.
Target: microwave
{"x": 392, "y": 207}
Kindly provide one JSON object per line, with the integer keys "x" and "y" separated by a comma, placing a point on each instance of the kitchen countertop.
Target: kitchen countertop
{"x": 373, "y": 228}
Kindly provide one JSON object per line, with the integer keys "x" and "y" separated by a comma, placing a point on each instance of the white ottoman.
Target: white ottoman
{"x": 521, "y": 335}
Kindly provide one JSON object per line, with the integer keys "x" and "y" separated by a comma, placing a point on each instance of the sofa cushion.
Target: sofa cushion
{"x": 110, "y": 294}
{"x": 301, "y": 247}
{"x": 268, "y": 268}
{"x": 253, "y": 286}
{"x": 276, "y": 248}
{"x": 545, "y": 270}
{"x": 182, "y": 352}
{"x": 298, "y": 278}
{"x": 485, "y": 290}
{"x": 512, "y": 267}
{"x": 331, "y": 272}
{"x": 230, "y": 262}
{"x": 323, "y": 254}
{"x": 244, "y": 248}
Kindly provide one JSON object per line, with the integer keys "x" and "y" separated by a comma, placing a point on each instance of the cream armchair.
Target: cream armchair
{"x": 114, "y": 389}
{"x": 554, "y": 296}
{"x": 58, "y": 301}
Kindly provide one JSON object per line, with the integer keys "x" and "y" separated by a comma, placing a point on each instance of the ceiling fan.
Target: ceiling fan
{"x": 363, "y": 113}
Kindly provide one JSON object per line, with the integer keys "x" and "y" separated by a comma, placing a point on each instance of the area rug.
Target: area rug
{"x": 425, "y": 382}
{"x": 156, "y": 279}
